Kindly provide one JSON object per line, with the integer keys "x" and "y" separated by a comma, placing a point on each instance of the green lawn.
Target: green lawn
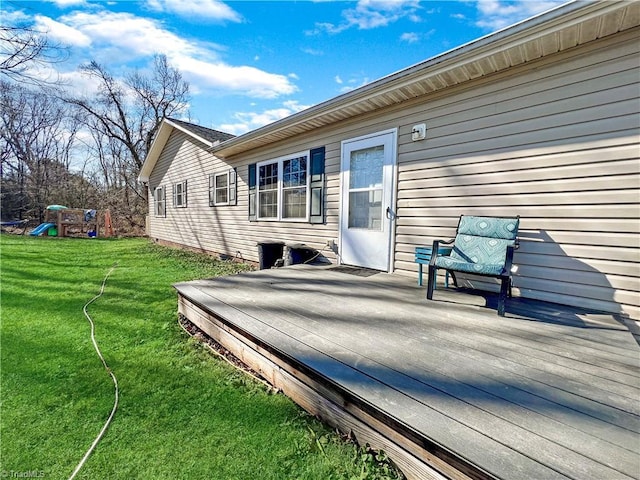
{"x": 183, "y": 413}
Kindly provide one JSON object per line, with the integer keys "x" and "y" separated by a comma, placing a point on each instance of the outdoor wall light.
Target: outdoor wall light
{"x": 419, "y": 132}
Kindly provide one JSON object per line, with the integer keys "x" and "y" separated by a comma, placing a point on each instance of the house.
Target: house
{"x": 540, "y": 120}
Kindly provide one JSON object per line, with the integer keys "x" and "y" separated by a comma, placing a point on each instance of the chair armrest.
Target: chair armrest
{"x": 509, "y": 260}
{"x": 436, "y": 247}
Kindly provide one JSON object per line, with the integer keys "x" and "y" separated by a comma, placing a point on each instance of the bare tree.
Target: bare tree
{"x": 157, "y": 96}
{"x": 124, "y": 117}
{"x": 23, "y": 51}
{"x": 113, "y": 171}
{"x": 36, "y": 139}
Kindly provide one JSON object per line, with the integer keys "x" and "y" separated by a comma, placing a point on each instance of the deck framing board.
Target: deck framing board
{"x": 415, "y": 461}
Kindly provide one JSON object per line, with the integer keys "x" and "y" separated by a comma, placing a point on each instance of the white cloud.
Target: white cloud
{"x": 14, "y": 18}
{"x": 196, "y": 9}
{"x": 312, "y": 51}
{"x": 326, "y": 27}
{"x": 234, "y": 79}
{"x": 338, "y": 80}
{"x": 413, "y": 37}
{"x": 62, "y": 33}
{"x": 295, "y": 106}
{"x": 497, "y": 14}
{"x": 354, "y": 83}
{"x": 123, "y": 38}
{"x": 82, "y": 85}
{"x": 127, "y": 35}
{"x": 247, "y": 121}
{"x": 369, "y": 14}
{"x": 69, "y": 3}
{"x": 410, "y": 37}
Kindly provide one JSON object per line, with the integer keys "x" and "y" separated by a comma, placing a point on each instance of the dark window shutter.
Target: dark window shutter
{"x": 175, "y": 195}
{"x": 252, "y": 193}
{"x": 184, "y": 194}
{"x": 233, "y": 190}
{"x": 156, "y": 195}
{"x": 316, "y": 186}
{"x": 212, "y": 193}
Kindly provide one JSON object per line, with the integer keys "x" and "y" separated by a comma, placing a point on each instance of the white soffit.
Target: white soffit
{"x": 559, "y": 29}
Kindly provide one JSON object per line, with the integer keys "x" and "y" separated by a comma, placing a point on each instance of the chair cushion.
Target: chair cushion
{"x": 474, "y": 249}
{"x": 493, "y": 227}
{"x": 469, "y": 267}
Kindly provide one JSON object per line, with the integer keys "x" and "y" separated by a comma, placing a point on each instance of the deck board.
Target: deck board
{"x": 515, "y": 396}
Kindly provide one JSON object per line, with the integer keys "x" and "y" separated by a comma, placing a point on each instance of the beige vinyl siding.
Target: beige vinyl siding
{"x": 554, "y": 141}
{"x": 557, "y": 146}
{"x": 222, "y": 229}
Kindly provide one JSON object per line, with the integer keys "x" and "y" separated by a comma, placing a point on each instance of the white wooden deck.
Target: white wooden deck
{"x": 541, "y": 393}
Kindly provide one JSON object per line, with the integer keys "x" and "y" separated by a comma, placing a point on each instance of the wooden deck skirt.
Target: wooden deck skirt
{"x": 447, "y": 388}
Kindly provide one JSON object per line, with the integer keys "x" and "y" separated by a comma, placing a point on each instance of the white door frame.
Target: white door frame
{"x": 390, "y": 202}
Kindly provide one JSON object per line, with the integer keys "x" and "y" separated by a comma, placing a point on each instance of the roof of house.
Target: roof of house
{"x": 554, "y": 31}
{"x": 205, "y": 133}
{"x": 207, "y": 136}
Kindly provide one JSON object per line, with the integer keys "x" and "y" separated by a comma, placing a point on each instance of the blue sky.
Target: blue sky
{"x": 250, "y": 63}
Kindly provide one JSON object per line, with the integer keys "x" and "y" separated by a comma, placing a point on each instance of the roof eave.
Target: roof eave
{"x": 486, "y": 48}
{"x": 160, "y": 140}
{"x": 157, "y": 145}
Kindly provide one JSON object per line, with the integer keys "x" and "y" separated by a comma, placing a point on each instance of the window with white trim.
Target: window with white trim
{"x": 283, "y": 188}
{"x": 222, "y": 188}
{"x": 180, "y": 194}
{"x": 159, "y": 202}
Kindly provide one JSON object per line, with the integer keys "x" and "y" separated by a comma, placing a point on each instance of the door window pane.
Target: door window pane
{"x": 366, "y": 167}
{"x": 365, "y": 210}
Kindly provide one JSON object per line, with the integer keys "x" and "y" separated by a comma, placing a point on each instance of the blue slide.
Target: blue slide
{"x": 40, "y": 229}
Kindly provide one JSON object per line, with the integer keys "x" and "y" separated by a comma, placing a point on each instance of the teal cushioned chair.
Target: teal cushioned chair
{"x": 483, "y": 246}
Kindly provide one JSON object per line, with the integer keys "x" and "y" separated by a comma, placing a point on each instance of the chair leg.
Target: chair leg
{"x": 504, "y": 289}
{"x": 431, "y": 281}
{"x": 455, "y": 280}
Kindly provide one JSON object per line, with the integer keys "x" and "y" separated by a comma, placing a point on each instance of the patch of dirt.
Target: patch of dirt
{"x": 219, "y": 349}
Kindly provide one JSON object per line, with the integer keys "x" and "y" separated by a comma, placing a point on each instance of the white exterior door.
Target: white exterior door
{"x": 366, "y": 213}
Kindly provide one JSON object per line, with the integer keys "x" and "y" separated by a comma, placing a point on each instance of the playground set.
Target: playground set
{"x": 61, "y": 221}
